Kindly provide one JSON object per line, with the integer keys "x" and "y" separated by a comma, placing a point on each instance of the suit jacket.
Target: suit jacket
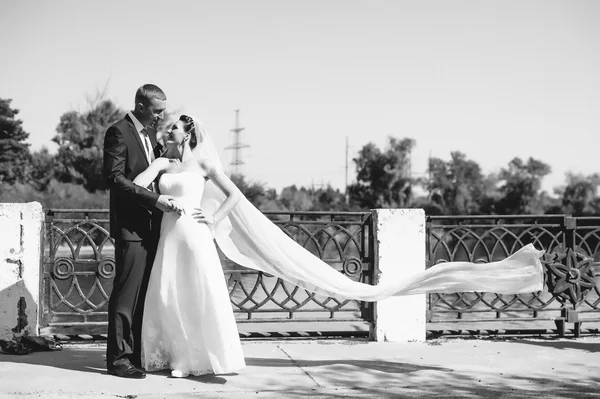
{"x": 133, "y": 215}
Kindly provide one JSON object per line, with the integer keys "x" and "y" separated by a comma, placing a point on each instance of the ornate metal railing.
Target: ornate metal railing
{"x": 340, "y": 239}
{"x": 77, "y": 273}
{"x": 572, "y": 248}
{"x": 78, "y": 269}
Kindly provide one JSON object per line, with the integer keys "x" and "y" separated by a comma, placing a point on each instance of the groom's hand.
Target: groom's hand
{"x": 177, "y": 207}
{"x": 165, "y": 203}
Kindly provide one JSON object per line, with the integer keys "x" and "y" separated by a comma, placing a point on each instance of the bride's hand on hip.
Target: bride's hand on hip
{"x": 202, "y": 217}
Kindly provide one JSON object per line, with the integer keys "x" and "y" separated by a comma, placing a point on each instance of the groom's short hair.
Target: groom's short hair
{"x": 147, "y": 92}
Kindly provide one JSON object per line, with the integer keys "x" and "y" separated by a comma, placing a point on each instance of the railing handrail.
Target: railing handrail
{"x": 316, "y": 213}
{"x": 54, "y": 211}
{"x": 361, "y": 213}
{"x": 484, "y": 217}
{"x": 76, "y": 210}
{"x": 269, "y": 212}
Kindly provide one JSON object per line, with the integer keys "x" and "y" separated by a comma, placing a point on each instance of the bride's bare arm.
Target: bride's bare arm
{"x": 229, "y": 189}
{"x": 165, "y": 202}
{"x": 233, "y": 194}
{"x": 151, "y": 173}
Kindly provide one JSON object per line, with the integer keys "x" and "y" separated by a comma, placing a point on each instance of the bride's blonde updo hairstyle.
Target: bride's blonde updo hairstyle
{"x": 190, "y": 127}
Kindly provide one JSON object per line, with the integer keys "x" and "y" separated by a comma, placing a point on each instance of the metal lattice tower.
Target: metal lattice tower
{"x": 346, "y": 192}
{"x": 237, "y": 145}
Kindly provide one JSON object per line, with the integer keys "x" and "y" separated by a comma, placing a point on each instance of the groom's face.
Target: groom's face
{"x": 152, "y": 112}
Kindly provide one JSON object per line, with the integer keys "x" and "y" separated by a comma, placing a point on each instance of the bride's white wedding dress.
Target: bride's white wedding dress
{"x": 188, "y": 322}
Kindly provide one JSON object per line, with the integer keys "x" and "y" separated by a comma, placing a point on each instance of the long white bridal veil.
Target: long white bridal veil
{"x": 250, "y": 239}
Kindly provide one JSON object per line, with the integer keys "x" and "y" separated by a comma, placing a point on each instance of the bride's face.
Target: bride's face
{"x": 176, "y": 135}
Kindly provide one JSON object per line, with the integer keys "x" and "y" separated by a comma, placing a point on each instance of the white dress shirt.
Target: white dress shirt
{"x": 143, "y": 136}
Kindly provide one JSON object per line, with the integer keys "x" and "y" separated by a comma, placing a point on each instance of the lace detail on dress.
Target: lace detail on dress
{"x": 201, "y": 372}
{"x": 157, "y": 359}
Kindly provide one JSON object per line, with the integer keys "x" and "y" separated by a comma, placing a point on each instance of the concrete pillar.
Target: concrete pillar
{"x": 400, "y": 252}
{"x": 20, "y": 259}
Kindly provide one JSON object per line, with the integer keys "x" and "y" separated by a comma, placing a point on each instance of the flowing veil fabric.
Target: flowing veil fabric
{"x": 250, "y": 239}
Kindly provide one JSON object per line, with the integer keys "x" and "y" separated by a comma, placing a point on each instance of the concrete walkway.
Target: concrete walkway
{"x": 440, "y": 368}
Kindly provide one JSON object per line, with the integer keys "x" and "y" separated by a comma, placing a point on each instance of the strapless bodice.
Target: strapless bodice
{"x": 186, "y": 187}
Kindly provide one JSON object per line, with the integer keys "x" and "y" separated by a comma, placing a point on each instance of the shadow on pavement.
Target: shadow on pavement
{"x": 90, "y": 360}
{"x": 388, "y": 379}
{"x": 592, "y": 347}
{"x": 76, "y": 359}
{"x": 372, "y": 365}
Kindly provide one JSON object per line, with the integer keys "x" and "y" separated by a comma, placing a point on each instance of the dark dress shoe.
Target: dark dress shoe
{"x": 138, "y": 366}
{"x": 127, "y": 371}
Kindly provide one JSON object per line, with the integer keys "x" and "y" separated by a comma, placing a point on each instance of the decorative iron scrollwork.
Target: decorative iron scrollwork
{"x": 352, "y": 267}
{"x": 570, "y": 275}
{"x": 80, "y": 265}
{"x": 106, "y": 268}
{"x": 63, "y": 268}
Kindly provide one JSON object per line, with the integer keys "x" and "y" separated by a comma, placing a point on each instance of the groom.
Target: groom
{"x": 135, "y": 212}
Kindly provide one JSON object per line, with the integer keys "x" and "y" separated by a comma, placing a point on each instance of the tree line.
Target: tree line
{"x": 72, "y": 177}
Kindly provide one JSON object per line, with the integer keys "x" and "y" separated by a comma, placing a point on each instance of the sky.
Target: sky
{"x": 493, "y": 79}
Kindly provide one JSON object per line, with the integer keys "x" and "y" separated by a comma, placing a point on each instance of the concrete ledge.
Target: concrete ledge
{"x": 20, "y": 257}
{"x": 400, "y": 252}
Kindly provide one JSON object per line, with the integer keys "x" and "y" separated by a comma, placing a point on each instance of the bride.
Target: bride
{"x": 188, "y": 324}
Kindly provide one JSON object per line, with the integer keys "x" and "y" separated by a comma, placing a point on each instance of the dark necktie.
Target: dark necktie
{"x": 149, "y": 154}
{"x": 147, "y": 146}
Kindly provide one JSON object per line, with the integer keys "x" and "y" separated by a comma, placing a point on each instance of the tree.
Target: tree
{"x": 383, "y": 177}
{"x": 41, "y": 172}
{"x": 457, "y": 186}
{"x": 257, "y": 193}
{"x": 296, "y": 199}
{"x": 329, "y": 199}
{"x": 253, "y": 191}
{"x": 521, "y": 183}
{"x": 80, "y": 137}
{"x": 14, "y": 152}
{"x": 579, "y": 195}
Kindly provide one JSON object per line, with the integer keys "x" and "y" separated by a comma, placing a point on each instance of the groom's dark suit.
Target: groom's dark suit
{"x": 134, "y": 225}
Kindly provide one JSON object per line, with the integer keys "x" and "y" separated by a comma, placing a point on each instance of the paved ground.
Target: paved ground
{"x": 440, "y": 368}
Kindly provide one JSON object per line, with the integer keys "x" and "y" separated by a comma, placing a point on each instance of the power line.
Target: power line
{"x": 237, "y": 145}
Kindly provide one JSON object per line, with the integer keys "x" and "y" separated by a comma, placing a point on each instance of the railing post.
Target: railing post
{"x": 568, "y": 315}
{"x": 399, "y": 236}
{"x": 571, "y": 315}
{"x": 367, "y": 255}
{"x": 20, "y": 256}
